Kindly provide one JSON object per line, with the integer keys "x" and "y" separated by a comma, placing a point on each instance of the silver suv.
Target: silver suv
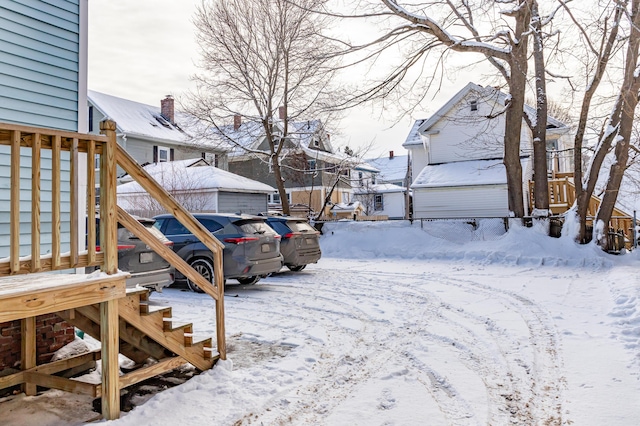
{"x": 251, "y": 247}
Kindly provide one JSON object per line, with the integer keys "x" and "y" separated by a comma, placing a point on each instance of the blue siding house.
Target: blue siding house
{"x": 43, "y": 83}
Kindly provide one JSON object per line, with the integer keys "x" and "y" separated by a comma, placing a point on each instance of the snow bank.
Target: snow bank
{"x": 485, "y": 242}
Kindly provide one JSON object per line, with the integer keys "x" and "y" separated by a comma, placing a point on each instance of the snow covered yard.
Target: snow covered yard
{"x": 396, "y": 326}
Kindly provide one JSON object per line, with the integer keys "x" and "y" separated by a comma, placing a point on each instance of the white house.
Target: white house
{"x": 386, "y": 195}
{"x": 382, "y": 199}
{"x": 199, "y": 187}
{"x": 457, "y": 155}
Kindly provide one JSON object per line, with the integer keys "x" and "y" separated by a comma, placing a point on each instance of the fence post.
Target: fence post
{"x": 633, "y": 231}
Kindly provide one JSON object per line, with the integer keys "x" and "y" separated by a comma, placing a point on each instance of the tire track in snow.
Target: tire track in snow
{"x": 519, "y": 392}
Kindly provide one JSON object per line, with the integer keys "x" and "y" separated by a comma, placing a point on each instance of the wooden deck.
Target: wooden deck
{"x": 562, "y": 196}
{"x": 97, "y": 303}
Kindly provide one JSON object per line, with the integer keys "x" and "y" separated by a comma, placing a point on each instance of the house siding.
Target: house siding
{"x": 40, "y": 64}
{"x": 40, "y": 80}
{"x": 460, "y": 202}
{"x": 238, "y": 202}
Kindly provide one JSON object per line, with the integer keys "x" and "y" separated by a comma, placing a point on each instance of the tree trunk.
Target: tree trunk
{"x": 584, "y": 187}
{"x": 629, "y": 96}
{"x": 513, "y": 115}
{"x": 540, "y": 181}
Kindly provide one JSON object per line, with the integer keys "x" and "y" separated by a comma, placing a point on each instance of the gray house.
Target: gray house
{"x": 153, "y": 134}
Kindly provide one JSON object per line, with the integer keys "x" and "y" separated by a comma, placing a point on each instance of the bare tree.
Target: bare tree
{"x": 261, "y": 61}
{"x": 449, "y": 26}
{"x": 625, "y": 106}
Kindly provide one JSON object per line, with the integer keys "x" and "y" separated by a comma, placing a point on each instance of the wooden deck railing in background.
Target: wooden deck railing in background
{"x": 562, "y": 195}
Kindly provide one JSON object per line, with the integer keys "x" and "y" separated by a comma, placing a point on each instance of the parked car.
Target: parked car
{"x": 147, "y": 268}
{"x": 251, "y": 247}
{"x": 300, "y": 244}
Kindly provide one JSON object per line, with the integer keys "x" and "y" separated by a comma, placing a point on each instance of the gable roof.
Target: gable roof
{"x": 146, "y": 121}
{"x": 486, "y": 93}
{"x": 196, "y": 174}
{"x": 391, "y": 169}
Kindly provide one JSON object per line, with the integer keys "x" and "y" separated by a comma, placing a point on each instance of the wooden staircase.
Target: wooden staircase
{"x": 146, "y": 333}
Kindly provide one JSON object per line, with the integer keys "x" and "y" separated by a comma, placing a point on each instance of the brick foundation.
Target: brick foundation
{"x": 52, "y": 333}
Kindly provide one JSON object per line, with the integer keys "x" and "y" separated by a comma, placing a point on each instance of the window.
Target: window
{"x": 345, "y": 198}
{"x": 90, "y": 119}
{"x": 377, "y": 202}
{"x": 275, "y": 198}
{"x": 211, "y": 225}
{"x": 316, "y": 143}
{"x": 163, "y": 154}
{"x": 311, "y": 164}
{"x": 474, "y": 104}
{"x": 360, "y": 180}
{"x": 552, "y": 155}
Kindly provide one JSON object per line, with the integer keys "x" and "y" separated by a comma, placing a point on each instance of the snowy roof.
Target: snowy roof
{"x": 187, "y": 175}
{"x": 145, "y": 121}
{"x": 487, "y": 93}
{"x": 463, "y": 173}
{"x": 347, "y": 207}
{"x": 391, "y": 169}
{"x": 380, "y": 188}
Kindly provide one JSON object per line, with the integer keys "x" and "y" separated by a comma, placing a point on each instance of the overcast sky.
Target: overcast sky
{"x": 143, "y": 50}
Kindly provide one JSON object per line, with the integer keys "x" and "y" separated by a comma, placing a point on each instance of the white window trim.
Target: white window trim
{"x": 167, "y": 150}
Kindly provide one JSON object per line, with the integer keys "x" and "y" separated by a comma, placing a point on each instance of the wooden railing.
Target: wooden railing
{"x": 65, "y": 154}
{"x": 562, "y": 195}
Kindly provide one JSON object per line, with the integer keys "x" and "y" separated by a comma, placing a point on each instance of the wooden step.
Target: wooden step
{"x": 159, "y": 317}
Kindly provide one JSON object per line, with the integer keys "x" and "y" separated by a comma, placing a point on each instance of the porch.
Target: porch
{"x": 43, "y": 272}
{"x": 562, "y": 195}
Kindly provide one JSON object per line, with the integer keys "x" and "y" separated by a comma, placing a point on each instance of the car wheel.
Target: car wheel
{"x": 204, "y": 268}
{"x": 296, "y": 268}
{"x": 249, "y": 280}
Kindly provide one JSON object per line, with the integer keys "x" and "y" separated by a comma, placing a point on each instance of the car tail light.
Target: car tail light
{"x": 168, "y": 243}
{"x": 240, "y": 240}
{"x": 291, "y": 235}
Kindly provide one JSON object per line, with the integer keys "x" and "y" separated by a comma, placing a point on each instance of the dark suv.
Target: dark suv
{"x": 147, "y": 268}
{"x": 251, "y": 247}
{"x": 300, "y": 243}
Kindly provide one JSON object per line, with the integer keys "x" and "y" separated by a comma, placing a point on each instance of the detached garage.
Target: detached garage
{"x": 464, "y": 189}
{"x": 199, "y": 187}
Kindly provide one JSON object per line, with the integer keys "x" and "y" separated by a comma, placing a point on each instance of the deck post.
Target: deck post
{"x": 109, "y": 336}
{"x": 28, "y": 350}
{"x": 108, "y": 213}
{"x": 220, "y": 328}
{"x": 110, "y": 370}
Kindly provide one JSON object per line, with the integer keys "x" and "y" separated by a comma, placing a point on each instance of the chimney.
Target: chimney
{"x": 390, "y": 155}
{"x": 166, "y": 109}
{"x": 237, "y": 121}
{"x": 282, "y": 111}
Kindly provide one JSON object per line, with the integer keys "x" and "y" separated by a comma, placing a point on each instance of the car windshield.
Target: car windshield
{"x": 254, "y": 227}
{"x": 300, "y": 227}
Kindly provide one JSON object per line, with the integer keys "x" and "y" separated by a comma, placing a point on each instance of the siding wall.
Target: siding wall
{"x": 234, "y": 202}
{"x": 39, "y": 62}
{"x": 461, "y": 202}
{"x": 41, "y": 76}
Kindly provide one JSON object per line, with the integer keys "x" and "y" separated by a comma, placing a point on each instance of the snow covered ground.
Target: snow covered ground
{"x": 399, "y": 325}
